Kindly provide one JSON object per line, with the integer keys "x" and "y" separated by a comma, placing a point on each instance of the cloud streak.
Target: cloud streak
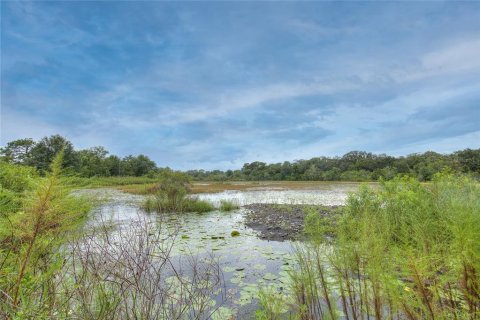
{"x": 214, "y": 85}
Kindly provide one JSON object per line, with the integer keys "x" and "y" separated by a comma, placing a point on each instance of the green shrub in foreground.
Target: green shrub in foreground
{"x": 37, "y": 223}
{"x": 408, "y": 250}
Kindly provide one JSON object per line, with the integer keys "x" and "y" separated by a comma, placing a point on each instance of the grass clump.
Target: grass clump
{"x": 197, "y": 205}
{"x": 161, "y": 203}
{"x": 171, "y": 195}
{"x": 408, "y": 251}
{"x": 226, "y": 205}
{"x": 273, "y": 305}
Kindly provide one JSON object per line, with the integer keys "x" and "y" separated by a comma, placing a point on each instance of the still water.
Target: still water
{"x": 248, "y": 263}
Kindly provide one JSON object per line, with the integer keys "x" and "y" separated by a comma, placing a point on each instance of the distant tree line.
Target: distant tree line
{"x": 91, "y": 162}
{"x": 353, "y": 166}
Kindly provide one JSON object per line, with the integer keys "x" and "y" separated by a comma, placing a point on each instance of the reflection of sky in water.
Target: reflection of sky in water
{"x": 248, "y": 262}
{"x": 326, "y": 197}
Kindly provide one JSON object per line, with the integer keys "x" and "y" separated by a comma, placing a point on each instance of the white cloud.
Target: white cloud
{"x": 225, "y": 104}
{"x": 456, "y": 57}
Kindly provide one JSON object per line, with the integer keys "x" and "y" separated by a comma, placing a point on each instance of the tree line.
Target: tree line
{"x": 90, "y": 162}
{"x": 353, "y": 166}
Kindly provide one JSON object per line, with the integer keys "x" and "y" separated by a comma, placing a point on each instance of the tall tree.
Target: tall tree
{"x": 17, "y": 151}
{"x": 43, "y": 153}
{"x": 92, "y": 162}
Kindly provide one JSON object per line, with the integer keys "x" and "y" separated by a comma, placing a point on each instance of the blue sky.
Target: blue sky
{"x": 215, "y": 85}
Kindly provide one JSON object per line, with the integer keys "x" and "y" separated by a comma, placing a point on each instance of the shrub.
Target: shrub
{"x": 16, "y": 178}
{"x": 29, "y": 239}
{"x": 409, "y": 250}
{"x": 171, "y": 195}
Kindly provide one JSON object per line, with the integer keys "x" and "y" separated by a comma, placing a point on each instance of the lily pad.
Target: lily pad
{"x": 259, "y": 266}
{"x": 269, "y": 276}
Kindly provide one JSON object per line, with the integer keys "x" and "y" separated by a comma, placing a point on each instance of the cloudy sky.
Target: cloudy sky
{"x": 214, "y": 85}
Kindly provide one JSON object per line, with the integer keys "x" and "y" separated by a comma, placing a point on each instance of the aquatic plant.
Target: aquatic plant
{"x": 406, "y": 251}
{"x": 226, "y": 205}
{"x": 272, "y": 304}
{"x": 171, "y": 195}
{"x": 196, "y": 205}
{"x": 138, "y": 277}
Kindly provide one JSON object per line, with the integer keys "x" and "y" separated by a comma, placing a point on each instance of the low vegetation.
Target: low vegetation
{"x": 37, "y": 216}
{"x": 406, "y": 251}
{"x": 171, "y": 195}
{"x": 52, "y": 267}
{"x": 226, "y": 205}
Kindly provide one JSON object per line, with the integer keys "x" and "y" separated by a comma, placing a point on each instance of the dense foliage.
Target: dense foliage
{"x": 37, "y": 214}
{"x": 53, "y": 265}
{"x": 91, "y": 162}
{"x": 408, "y": 251}
{"x": 353, "y": 166}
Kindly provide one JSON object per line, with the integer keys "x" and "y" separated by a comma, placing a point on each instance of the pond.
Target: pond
{"x": 248, "y": 263}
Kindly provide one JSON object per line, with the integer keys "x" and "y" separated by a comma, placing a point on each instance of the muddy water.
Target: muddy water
{"x": 248, "y": 263}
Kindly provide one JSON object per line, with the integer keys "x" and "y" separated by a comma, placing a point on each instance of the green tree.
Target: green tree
{"x": 112, "y": 165}
{"x": 136, "y": 166}
{"x": 92, "y": 162}
{"x": 18, "y": 151}
{"x": 469, "y": 160}
{"x": 43, "y": 153}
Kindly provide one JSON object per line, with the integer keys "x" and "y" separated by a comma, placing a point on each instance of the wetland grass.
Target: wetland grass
{"x": 228, "y": 205}
{"x": 407, "y": 251}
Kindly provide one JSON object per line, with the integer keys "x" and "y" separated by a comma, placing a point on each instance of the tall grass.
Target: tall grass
{"x": 171, "y": 195}
{"x": 228, "y": 205}
{"x": 95, "y": 182}
{"x": 161, "y": 203}
{"x": 137, "y": 276}
{"x": 406, "y": 251}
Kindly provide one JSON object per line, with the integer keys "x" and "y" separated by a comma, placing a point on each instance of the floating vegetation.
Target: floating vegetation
{"x": 259, "y": 266}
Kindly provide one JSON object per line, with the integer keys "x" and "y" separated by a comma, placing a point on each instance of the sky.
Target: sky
{"x": 213, "y": 85}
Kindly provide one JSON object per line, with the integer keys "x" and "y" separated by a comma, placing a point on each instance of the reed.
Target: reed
{"x": 408, "y": 250}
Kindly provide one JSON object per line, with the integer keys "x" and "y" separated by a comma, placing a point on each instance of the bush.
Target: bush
{"x": 30, "y": 236}
{"x": 16, "y": 178}
{"x": 409, "y": 250}
{"x": 171, "y": 195}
